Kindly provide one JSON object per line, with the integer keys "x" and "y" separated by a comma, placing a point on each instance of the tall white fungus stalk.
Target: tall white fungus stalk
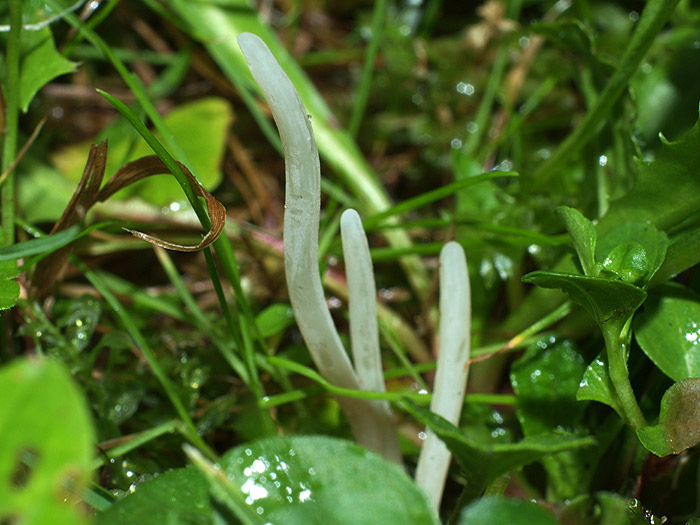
{"x": 451, "y": 375}
{"x": 364, "y": 332}
{"x": 371, "y": 424}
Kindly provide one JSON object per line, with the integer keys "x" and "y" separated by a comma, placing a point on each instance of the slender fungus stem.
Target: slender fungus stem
{"x": 451, "y": 375}
{"x": 301, "y": 221}
{"x": 364, "y": 332}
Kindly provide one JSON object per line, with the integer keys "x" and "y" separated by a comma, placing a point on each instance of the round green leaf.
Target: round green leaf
{"x": 46, "y": 444}
{"x": 179, "y": 496}
{"x": 545, "y": 380}
{"x": 499, "y": 509}
{"x": 314, "y": 479}
{"x": 668, "y": 330}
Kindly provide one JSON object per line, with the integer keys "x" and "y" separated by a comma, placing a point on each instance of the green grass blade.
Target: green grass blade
{"x": 431, "y": 196}
{"x": 50, "y": 243}
{"x": 656, "y": 13}
{"x": 363, "y": 90}
{"x": 11, "y": 122}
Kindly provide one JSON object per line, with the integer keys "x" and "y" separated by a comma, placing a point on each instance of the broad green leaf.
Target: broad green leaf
{"x": 484, "y": 461}
{"x": 545, "y": 380}
{"x": 46, "y": 443}
{"x": 628, "y": 262}
{"x": 667, "y": 189}
{"x": 596, "y": 385}
{"x": 180, "y": 496}
{"x": 633, "y": 252}
{"x": 307, "y": 479}
{"x": 199, "y": 126}
{"x": 274, "y": 319}
{"x": 9, "y": 288}
{"x": 583, "y": 236}
{"x": 679, "y": 420}
{"x": 40, "y": 64}
{"x": 668, "y": 330}
{"x": 499, "y": 509}
{"x": 604, "y": 299}
{"x": 42, "y": 192}
{"x": 288, "y": 479}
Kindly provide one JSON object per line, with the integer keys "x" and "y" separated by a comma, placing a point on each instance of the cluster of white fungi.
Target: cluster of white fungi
{"x": 371, "y": 421}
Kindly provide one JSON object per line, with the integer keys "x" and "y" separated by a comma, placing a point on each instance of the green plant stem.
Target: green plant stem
{"x": 616, "y": 336}
{"x": 363, "y": 90}
{"x": 654, "y": 16}
{"x": 11, "y": 92}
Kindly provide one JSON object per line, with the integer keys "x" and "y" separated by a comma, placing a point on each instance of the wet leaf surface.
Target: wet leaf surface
{"x": 668, "y": 330}
{"x": 302, "y": 479}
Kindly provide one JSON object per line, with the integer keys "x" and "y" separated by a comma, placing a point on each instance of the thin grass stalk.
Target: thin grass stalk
{"x": 11, "y": 121}
{"x": 363, "y": 90}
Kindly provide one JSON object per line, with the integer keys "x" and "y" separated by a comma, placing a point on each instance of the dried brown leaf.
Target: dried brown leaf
{"x": 152, "y": 165}
{"x": 88, "y": 192}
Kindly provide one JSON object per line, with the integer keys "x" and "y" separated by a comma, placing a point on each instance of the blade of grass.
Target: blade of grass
{"x": 310, "y": 373}
{"x": 199, "y": 318}
{"x": 363, "y": 90}
{"x": 426, "y": 198}
{"x": 483, "y": 114}
{"x": 50, "y": 243}
{"x": 656, "y": 13}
